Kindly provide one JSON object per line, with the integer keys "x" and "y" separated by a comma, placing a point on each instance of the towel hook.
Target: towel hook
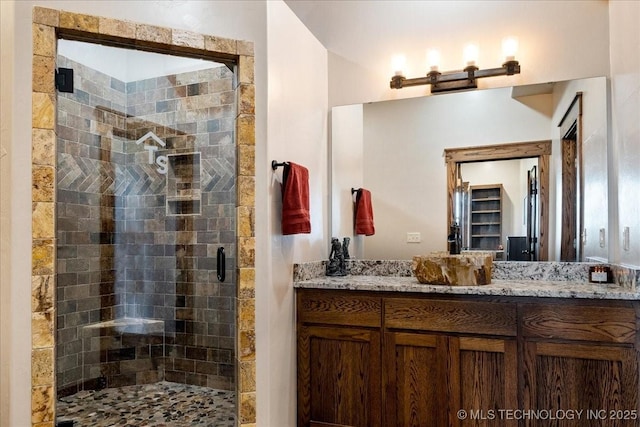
{"x": 275, "y": 165}
{"x": 354, "y": 190}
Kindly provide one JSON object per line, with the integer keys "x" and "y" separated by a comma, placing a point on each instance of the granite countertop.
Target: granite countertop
{"x": 498, "y": 287}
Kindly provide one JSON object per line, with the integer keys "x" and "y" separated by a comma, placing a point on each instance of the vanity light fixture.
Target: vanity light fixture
{"x": 457, "y": 80}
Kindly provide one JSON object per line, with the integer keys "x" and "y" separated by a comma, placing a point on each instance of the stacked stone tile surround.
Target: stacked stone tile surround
{"x": 48, "y": 24}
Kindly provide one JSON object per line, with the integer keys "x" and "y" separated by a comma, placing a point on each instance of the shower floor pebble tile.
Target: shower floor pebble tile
{"x": 160, "y": 404}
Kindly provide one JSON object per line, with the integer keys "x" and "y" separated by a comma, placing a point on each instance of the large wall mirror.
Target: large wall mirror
{"x": 396, "y": 150}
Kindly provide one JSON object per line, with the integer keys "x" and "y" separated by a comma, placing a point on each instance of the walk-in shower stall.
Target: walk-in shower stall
{"x": 146, "y": 240}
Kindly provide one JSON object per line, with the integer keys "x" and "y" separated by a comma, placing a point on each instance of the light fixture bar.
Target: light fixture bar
{"x": 455, "y": 80}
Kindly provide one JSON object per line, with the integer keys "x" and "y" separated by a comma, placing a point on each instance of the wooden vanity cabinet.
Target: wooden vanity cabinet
{"x": 429, "y": 378}
{"x": 339, "y": 360}
{"x": 413, "y": 370}
{"x": 383, "y": 359}
{"x": 581, "y": 357}
{"x": 467, "y": 359}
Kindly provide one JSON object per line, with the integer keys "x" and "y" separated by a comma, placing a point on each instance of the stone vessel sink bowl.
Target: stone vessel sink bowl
{"x": 453, "y": 270}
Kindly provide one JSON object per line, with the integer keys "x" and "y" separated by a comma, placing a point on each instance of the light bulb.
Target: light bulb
{"x": 470, "y": 54}
{"x": 433, "y": 59}
{"x": 398, "y": 62}
{"x": 510, "y": 48}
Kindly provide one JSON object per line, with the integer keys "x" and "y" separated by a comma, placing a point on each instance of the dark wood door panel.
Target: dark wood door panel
{"x": 335, "y": 308}
{"x": 413, "y": 380}
{"x": 339, "y": 376}
{"x": 488, "y": 380}
{"x": 577, "y": 322}
{"x": 495, "y": 318}
{"x": 588, "y": 378}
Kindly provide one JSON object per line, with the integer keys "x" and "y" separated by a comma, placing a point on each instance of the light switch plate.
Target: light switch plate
{"x": 626, "y": 244}
{"x": 414, "y": 237}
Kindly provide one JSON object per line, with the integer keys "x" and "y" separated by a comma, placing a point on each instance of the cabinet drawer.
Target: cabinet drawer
{"x": 575, "y": 322}
{"x": 339, "y": 309}
{"x": 489, "y": 318}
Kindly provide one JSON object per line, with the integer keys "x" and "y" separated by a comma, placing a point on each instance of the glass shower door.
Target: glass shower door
{"x": 146, "y": 198}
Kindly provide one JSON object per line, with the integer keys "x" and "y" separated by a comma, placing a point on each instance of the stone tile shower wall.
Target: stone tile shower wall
{"x": 90, "y": 165}
{"x": 130, "y": 259}
{"x": 176, "y": 279}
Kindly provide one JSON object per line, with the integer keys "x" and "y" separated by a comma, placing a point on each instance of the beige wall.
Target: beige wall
{"x": 624, "y": 174}
{"x": 297, "y": 127}
{"x": 8, "y": 372}
{"x": 559, "y": 40}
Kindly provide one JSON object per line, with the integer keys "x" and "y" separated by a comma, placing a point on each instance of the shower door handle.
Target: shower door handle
{"x": 220, "y": 263}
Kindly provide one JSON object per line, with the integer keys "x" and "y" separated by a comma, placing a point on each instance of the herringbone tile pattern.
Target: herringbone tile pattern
{"x": 218, "y": 175}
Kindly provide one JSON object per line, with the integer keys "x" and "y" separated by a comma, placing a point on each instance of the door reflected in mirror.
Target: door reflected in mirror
{"x": 523, "y": 172}
{"x": 496, "y": 205}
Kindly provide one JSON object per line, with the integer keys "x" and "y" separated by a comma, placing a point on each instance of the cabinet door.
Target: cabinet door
{"x": 484, "y": 381}
{"x": 600, "y": 380}
{"x": 339, "y": 377}
{"x": 414, "y": 380}
{"x": 429, "y": 378}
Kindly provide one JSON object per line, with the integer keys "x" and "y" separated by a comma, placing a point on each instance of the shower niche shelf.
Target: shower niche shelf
{"x": 183, "y": 184}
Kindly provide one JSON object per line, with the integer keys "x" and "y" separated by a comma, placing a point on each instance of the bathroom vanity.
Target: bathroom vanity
{"x": 388, "y": 351}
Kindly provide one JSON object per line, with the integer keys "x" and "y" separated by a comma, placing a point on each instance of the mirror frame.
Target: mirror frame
{"x": 520, "y": 150}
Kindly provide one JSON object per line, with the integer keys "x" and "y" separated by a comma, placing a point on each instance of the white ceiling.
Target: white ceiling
{"x": 367, "y": 31}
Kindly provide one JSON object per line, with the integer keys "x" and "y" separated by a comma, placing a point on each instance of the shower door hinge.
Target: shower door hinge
{"x": 64, "y": 80}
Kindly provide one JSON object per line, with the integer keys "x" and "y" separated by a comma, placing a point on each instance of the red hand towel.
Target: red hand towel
{"x": 295, "y": 199}
{"x": 364, "y": 213}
